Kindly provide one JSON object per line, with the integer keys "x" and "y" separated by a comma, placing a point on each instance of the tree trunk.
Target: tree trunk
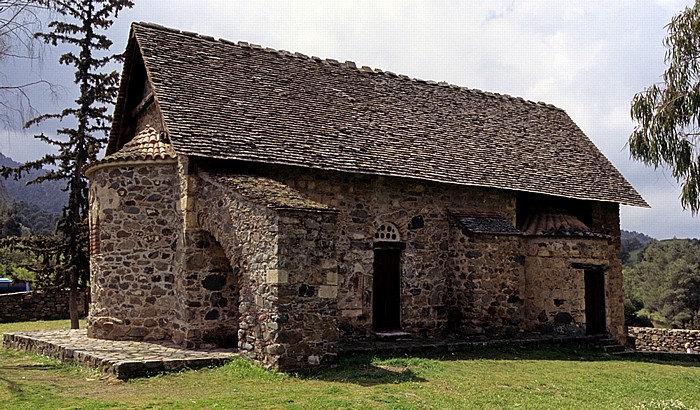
{"x": 73, "y": 301}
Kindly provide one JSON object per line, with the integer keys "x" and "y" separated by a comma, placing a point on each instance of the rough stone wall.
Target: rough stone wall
{"x": 486, "y": 281}
{"x": 306, "y": 326}
{"x": 38, "y": 305}
{"x": 247, "y": 235}
{"x": 452, "y": 282}
{"x": 420, "y": 210}
{"x": 664, "y": 340}
{"x": 279, "y": 267}
{"x": 150, "y": 118}
{"x": 183, "y": 257}
{"x": 606, "y": 219}
{"x": 134, "y": 214}
{"x": 554, "y": 290}
{"x": 207, "y": 294}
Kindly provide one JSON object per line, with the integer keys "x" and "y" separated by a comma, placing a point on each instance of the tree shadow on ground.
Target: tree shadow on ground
{"x": 12, "y": 386}
{"x": 561, "y": 353}
{"x": 10, "y": 373}
{"x": 362, "y": 370}
{"x": 367, "y": 369}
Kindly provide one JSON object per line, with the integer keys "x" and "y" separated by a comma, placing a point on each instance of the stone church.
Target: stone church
{"x": 287, "y": 205}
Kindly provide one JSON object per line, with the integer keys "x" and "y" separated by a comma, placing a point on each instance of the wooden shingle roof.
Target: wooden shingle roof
{"x": 242, "y": 102}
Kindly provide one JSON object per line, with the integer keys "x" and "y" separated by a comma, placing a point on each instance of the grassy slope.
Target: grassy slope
{"x": 556, "y": 379}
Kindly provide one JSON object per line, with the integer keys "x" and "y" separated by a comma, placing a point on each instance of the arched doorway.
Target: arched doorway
{"x": 211, "y": 294}
{"x": 386, "y": 283}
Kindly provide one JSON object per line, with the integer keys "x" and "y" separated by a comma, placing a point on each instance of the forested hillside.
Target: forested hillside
{"x": 26, "y": 210}
{"x": 631, "y": 246}
{"x": 664, "y": 286}
{"x": 48, "y": 196}
{"x": 29, "y": 209}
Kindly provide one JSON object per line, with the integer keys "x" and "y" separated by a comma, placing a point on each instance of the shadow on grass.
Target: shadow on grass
{"x": 364, "y": 371}
{"x": 12, "y": 386}
{"x": 31, "y": 366}
{"x": 560, "y": 353}
{"x": 9, "y": 373}
{"x": 368, "y": 369}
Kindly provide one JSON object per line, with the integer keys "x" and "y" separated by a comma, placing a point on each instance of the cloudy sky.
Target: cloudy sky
{"x": 588, "y": 57}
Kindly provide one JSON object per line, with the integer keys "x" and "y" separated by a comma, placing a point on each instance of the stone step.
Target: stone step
{"x": 392, "y": 335}
{"x": 610, "y": 345}
{"x": 618, "y": 348}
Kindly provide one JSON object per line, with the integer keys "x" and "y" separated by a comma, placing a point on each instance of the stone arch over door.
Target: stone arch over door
{"x": 224, "y": 281}
{"x": 386, "y": 277}
{"x": 212, "y": 292}
{"x": 247, "y": 235}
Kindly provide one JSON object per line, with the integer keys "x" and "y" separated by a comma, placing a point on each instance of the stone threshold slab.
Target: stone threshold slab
{"x": 122, "y": 359}
{"x": 452, "y": 344}
{"x": 661, "y": 356}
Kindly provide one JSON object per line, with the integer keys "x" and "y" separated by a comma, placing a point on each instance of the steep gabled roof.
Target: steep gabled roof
{"x": 239, "y": 101}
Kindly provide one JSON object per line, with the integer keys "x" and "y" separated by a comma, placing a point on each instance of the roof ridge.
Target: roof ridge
{"x": 349, "y": 65}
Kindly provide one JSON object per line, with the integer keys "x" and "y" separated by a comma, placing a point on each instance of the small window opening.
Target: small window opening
{"x": 387, "y": 232}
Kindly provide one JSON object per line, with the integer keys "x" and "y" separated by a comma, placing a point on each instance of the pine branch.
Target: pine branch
{"x": 17, "y": 172}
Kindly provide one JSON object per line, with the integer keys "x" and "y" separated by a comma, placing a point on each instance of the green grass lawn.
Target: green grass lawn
{"x": 490, "y": 379}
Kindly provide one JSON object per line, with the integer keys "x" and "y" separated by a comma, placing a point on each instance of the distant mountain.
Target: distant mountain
{"x": 626, "y": 236}
{"x": 631, "y": 246}
{"x": 48, "y": 196}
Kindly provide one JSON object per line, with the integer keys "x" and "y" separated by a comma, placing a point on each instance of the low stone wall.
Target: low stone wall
{"x": 37, "y": 305}
{"x": 664, "y": 340}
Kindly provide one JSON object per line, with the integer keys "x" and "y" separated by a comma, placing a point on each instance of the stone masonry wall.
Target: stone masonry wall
{"x": 38, "y": 305}
{"x": 435, "y": 297}
{"x": 486, "y": 283}
{"x": 606, "y": 219}
{"x": 554, "y": 291}
{"x": 664, "y": 340}
{"x": 420, "y": 211}
{"x": 182, "y": 256}
{"x": 284, "y": 311}
{"x": 134, "y": 215}
{"x": 247, "y": 234}
{"x": 207, "y": 294}
{"x": 306, "y": 330}
{"x": 555, "y": 297}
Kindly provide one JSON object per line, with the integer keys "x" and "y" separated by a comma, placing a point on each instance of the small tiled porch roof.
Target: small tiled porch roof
{"x": 149, "y": 144}
{"x": 242, "y": 102}
{"x": 479, "y": 221}
{"x": 267, "y": 192}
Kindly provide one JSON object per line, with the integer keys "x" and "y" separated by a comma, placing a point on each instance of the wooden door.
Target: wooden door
{"x": 595, "y": 302}
{"x": 386, "y": 290}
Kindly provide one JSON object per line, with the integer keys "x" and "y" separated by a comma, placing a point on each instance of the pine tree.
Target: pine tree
{"x": 83, "y": 26}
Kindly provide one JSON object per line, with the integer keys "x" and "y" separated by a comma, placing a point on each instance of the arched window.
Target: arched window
{"x": 387, "y": 232}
